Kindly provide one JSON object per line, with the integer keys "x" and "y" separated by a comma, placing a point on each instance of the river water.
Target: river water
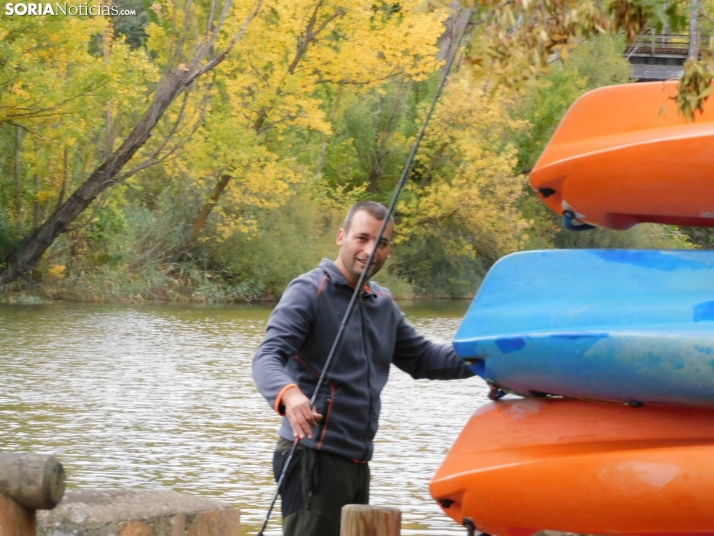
{"x": 162, "y": 397}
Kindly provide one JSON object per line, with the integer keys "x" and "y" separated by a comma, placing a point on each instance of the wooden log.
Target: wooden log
{"x": 35, "y": 481}
{"x": 15, "y": 519}
{"x": 365, "y": 520}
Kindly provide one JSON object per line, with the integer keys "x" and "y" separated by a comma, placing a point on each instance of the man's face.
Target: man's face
{"x": 358, "y": 242}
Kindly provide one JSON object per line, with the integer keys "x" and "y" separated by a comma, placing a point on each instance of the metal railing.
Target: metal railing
{"x": 654, "y": 44}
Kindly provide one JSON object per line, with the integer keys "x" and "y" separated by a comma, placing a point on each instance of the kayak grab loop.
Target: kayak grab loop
{"x": 477, "y": 365}
{"x": 546, "y": 192}
{"x": 571, "y": 223}
{"x": 495, "y": 392}
{"x": 471, "y": 527}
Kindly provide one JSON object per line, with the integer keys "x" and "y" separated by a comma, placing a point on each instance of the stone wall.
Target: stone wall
{"x": 138, "y": 513}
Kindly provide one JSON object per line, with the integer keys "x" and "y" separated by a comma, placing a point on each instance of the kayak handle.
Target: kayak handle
{"x": 571, "y": 223}
{"x": 470, "y": 526}
{"x": 495, "y": 392}
{"x": 477, "y": 365}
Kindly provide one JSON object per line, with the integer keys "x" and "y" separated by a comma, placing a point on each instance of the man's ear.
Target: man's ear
{"x": 340, "y": 237}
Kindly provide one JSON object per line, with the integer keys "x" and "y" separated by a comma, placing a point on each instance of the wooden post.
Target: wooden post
{"x": 15, "y": 519}
{"x": 35, "y": 481}
{"x": 365, "y": 520}
{"x": 28, "y": 482}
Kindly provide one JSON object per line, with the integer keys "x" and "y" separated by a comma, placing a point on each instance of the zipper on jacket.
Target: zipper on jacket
{"x": 369, "y": 384}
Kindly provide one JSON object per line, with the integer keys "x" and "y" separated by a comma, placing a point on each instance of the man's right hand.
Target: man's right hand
{"x": 301, "y": 416}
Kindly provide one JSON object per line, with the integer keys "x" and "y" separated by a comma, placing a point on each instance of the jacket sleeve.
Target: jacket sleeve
{"x": 421, "y": 358}
{"x": 288, "y": 326}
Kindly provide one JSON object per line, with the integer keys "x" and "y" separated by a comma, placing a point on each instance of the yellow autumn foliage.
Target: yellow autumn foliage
{"x": 66, "y": 88}
{"x": 464, "y": 187}
{"x": 271, "y": 92}
{"x": 58, "y": 271}
{"x": 36, "y": 57}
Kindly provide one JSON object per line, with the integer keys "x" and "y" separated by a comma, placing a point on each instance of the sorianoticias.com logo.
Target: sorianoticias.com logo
{"x": 56, "y": 8}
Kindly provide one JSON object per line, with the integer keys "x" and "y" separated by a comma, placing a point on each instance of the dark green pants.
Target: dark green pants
{"x": 316, "y": 487}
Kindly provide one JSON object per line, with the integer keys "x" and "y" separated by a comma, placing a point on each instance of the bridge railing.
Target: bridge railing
{"x": 654, "y": 44}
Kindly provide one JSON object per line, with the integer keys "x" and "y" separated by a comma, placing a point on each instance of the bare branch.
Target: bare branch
{"x": 44, "y": 112}
{"x": 218, "y": 59}
{"x": 155, "y": 159}
{"x": 345, "y": 82}
{"x": 152, "y": 160}
{"x": 311, "y": 34}
{"x": 436, "y": 220}
{"x": 209, "y": 25}
{"x": 705, "y": 16}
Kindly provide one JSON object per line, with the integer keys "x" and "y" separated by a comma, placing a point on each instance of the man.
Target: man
{"x": 329, "y": 468}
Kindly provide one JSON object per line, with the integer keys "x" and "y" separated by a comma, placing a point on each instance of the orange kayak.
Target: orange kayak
{"x": 623, "y": 155}
{"x": 521, "y": 466}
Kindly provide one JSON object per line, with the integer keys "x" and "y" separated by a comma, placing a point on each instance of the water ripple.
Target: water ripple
{"x": 162, "y": 397}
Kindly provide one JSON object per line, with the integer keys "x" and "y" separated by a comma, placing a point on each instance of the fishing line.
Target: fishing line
{"x": 337, "y": 344}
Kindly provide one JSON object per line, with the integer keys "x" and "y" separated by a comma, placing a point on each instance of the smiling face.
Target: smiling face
{"x": 358, "y": 242}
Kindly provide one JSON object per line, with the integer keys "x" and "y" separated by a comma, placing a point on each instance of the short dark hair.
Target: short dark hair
{"x": 374, "y": 209}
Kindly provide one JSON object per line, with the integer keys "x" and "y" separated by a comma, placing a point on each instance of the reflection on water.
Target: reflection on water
{"x": 162, "y": 397}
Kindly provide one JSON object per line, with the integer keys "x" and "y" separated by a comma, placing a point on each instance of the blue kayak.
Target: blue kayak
{"x": 614, "y": 325}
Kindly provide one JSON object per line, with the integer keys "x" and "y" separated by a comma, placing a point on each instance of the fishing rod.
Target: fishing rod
{"x": 337, "y": 344}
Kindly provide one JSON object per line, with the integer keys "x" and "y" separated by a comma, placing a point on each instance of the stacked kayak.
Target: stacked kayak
{"x": 626, "y": 326}
{"x": 521, "y": 466}
{"x": 613, "y": 350}
{"x": 623, "y": 155}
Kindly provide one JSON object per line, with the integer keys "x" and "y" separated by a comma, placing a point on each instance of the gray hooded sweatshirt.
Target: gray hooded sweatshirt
{"x": 300, "y": 333}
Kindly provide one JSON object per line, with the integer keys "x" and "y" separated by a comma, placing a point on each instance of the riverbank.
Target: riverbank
{"x": 169, "y": 284}
{"x": 172, "y": 284}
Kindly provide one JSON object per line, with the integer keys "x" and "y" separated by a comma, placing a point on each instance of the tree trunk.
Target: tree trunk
{"x": 18, "y": 181}
{"x": 304, "y": 40}
{"x": 36, "y": 205}
{"x": 311, "y": 32}
{"x": 218, "y": 190}
{"x": 65, "y": 178}
{"x": 454, "y": 23}
{"x": 28, "y": 254}
{"x": 110, "y": 131}
{"x": 693, "y": 32}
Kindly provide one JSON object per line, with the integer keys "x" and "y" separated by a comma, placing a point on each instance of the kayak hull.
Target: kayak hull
{"x": 639, "y": 162}
{"x": 521, "y": 466}
{"x": 614, "y": 325}
{"x": 635, "y": 368}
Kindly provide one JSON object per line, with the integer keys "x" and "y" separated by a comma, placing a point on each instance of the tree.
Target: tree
{"x": 462, "y": 196}
{"x": 515, "y": 41}
{"x": 275, "y": 88}
{"x": 182, "y": 69}
{"x": 46, "y": 70}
